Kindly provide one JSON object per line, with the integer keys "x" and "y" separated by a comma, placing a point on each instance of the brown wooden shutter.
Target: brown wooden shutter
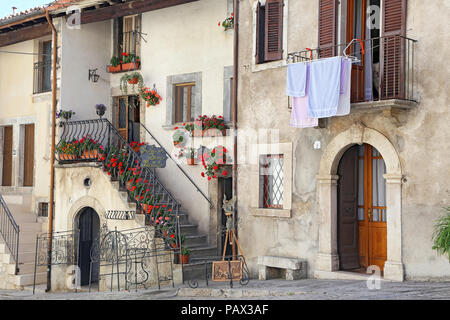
{"x": 393, "y": 48}
{"x": 258, "y": 36}
{"x": 28, "y": 159}
{"x": 7, "y": 156}
{"x": 274, "y": 30}
{"x": 327, "y": 28}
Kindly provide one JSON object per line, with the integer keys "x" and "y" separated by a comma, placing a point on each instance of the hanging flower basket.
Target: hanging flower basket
{"x": 228, "y": 23}
{"x": 214, "y": 162}
{"x": 150, "y": 96}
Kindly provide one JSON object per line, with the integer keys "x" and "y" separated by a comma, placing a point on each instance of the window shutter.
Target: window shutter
{"x": 327, "y": 28}
{"x": 393, "y": 48}
{"x": 274, "y": 30}
{"x": 258, "y": 32}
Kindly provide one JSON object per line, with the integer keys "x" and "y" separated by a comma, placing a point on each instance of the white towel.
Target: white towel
{"x": 345, "y": 86}
{"x": 296, "y": 80}
{"x": 324, "y": 87}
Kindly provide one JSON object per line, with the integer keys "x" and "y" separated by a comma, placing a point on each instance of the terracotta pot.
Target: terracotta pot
{"x": 174, "y": 245}
{"x": 185, "y": 258}
{"x": 90, "y": 155}
{"x": 130, "y": 66}
{"x": 133, "y": 81}
{"x": 63, "y": 156}
{"x": 114, "y": 69}
{"x": 190, "y": 161}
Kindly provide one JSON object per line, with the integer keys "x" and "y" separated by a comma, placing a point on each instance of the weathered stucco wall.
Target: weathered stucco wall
{"x": 419, "y": 140}
{"x": 19, "y": 106}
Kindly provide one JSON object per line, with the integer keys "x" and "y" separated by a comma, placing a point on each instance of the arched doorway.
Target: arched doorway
{"x": 88, "y": 224}
{"x": 327, "y": 260}
{"x": 361, "y": 209}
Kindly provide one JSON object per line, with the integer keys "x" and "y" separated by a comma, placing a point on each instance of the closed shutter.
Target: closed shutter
{"x": 393, "y": 48}
{"x": 274, "y": 30}
{"x": 259, "y": 35}
{"x": 327, "y": 28}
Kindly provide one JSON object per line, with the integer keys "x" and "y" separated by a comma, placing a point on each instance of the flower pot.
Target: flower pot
{"x": 177, "y": 144}
{"x": 112, "y": 69}
{"x": 90, "y": 155}
{"x": 190, "y": 161}
{"x": 130, "y": 66}
{"x": 133, "y": 81}
{"x": 185, "y": 258}
{"x": 63, "y": 156}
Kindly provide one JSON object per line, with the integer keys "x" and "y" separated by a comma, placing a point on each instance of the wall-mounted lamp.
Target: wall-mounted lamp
{"x": 93, "y": 75}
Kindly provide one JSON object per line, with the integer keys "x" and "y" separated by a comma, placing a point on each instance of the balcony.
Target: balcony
{"x": 384, "y": 79}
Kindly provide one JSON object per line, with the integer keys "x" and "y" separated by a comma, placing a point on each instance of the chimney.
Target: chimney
{"x": 14, "y": 10}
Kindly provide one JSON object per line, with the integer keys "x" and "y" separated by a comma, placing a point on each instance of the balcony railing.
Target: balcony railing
{"x": 41, "y": 76}
{"x": 386, "y": 69}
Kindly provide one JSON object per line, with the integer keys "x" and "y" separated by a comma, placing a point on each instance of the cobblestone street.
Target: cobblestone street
{"x": 309, "y": 289}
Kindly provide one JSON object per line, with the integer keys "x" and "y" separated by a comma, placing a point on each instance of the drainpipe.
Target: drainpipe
{"x": 52, "y": 156}
{"x": 235, "y": 103}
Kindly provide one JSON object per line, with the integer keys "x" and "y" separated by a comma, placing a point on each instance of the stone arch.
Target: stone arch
{"x": 327, "y": 258}
{"x": 79, "y": 205}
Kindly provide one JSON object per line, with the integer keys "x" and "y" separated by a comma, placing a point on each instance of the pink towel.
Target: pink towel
{"x": 299, "y": 114}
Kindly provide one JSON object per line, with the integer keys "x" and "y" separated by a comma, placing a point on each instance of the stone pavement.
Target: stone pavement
{"x": 307, "y": 289}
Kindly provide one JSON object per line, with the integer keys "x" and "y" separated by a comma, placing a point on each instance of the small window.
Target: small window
{"x": 183, "y": 106}
{"x": 269, "y": 31}
{"x": 271, "y": 181}
{"x": 43, "y": 209}
{"x": 42, "y": 68}
{"x": 127, "y": 35}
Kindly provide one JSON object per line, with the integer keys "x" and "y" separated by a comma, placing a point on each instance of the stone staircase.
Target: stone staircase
{"x": 19, "y": 205}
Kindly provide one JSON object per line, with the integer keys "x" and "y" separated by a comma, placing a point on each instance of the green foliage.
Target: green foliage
{"x": 115, "y": 61}
{"x": 185, "y": 251}
{"x": 129, "y": 76}
{"x": 441, "y": 234}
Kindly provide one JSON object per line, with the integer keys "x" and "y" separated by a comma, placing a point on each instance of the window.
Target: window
{"x": 184, "y": 98}
{"x": 127, "y": 35}
{"x": 42, "y": 68}
{"x": 43, "y": 209}
{"x": 271, "y": 181}
{"x": 269, "y": 31}
{"x": 183, "y": 102}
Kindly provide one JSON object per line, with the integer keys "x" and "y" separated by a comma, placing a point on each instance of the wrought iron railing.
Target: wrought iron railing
{"x": 9, "y": 230}
{"x": 99, "y": 141}
{"x": 152, "y": 137}
{"x": 392, "y": 68}
{"x": 42, "y": 77}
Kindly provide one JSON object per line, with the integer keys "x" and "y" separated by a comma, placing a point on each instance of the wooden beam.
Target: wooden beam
{"x": 24, "y": 34}
{"x": 128, "y": 8}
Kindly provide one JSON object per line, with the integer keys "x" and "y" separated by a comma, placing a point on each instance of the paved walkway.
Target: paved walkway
{"x": 309, "y": 289}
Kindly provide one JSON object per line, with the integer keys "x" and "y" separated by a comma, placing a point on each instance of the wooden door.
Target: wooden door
{"x": 122, "y": 117}
{"x": 88, "y": 224}
{"x": 372, "y": 208}
{"x": 28, "y": 165}
{"x": 7, "y": 156}
{"x": 348, "y": 210}
{"x": 356, "y": 26}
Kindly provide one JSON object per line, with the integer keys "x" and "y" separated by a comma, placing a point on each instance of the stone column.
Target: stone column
{"x": 327, "y": 258}
{"x": 393, "y": 268}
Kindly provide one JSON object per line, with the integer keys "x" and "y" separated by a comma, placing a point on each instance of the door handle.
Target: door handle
{"x": 369, "y": 213}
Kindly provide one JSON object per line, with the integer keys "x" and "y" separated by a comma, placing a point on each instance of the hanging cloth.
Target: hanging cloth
{"x": 296, "y": 79}
{"x": 299, "y": 113}
{"x": 345, "y": 86}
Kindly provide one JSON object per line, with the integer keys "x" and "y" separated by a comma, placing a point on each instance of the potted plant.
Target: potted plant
{"x": 178, "y": 137}
{"x": 185, "y": 252}
{"x": 190, "y": 157}
{"x": 68, "y": 150}
{"x": 441, "y": 234}
{"x": 115, "y": 65}
{"x": 89, "y": 148}
{"x": 174, "y": 243}
{"x": 65, "y": 114}
{"x": 228, "y": 23}
{"x": 214, "y": 162}
{"x": 130, "y": 61}
{"x": 150, "y": 96}
{"x": 131, "y": 78}
{"x": 100, "y": 109}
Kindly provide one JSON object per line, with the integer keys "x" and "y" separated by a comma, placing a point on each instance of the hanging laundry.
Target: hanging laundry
{"x": 345, "y": 86}
{"x": 299, "y": 113}
{"x": 324, "y": 87}
{"x": 296, "y": 80}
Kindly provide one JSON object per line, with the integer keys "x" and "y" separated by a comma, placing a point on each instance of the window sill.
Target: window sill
{"x": 277, "y": 213}
{"x": 41, "y": 96}
{"x": 268, "y": 65}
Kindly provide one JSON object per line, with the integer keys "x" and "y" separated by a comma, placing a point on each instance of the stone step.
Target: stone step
{"x": 26, "y": 268}
{"x": 23, "y": 257}
{"x": 23, "y": 247}
{"x": 27, "y": 279}
{"x": 205, "y": 251}
{"x": 195, "y": 240}
{"x": 189, "y": 229}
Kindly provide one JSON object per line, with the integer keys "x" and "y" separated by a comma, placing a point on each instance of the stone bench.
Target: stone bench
{"x": 288, "y": 268}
